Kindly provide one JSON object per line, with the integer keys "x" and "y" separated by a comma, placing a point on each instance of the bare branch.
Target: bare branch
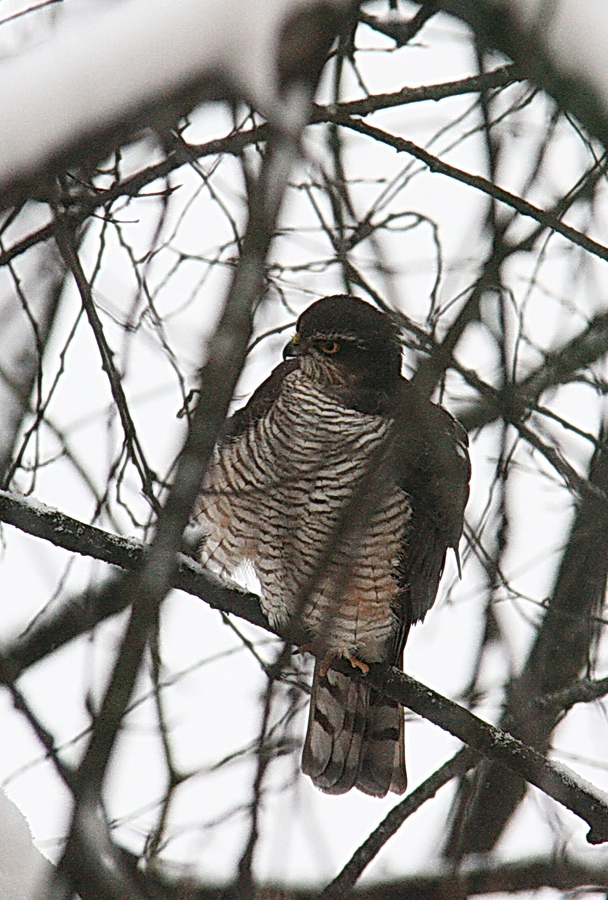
{"x": 555, "y": 780}
{"x": 136, "y": 453}
{"x": 498, "y": 78}
{"x": 25, "y": 331}
{"x": 53, "y": 628}
{"x": 435, "y": 164}
{"x": 558, "y": 655}
{"x": 457, "y": 766}
{"x": 558, "y": 367}
{"x": 551, "y": 45}
{"x": 562, "y": 873}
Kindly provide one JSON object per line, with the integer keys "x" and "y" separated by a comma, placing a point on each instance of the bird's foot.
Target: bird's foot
{"x": 353, "y": 660}
{"x": 358, "y": 664}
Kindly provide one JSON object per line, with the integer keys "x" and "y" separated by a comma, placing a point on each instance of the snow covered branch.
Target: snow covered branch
{"x": 557, "y": 782}
{"x": 55, "y": 627}
{"x": 98, "y": 80}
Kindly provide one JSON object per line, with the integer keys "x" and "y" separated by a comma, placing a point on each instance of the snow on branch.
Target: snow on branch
{"x": 558, "y": 782}
{"x": 104, "y": 74}
{"x": 57, "y": 626}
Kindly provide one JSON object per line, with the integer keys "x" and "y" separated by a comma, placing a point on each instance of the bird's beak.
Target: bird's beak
{"x": 294, "y": 347}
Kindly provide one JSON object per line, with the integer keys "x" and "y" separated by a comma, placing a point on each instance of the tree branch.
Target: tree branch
{"x": 144, "y": 589}
{"x": 50, "y": 122}
{"x": 559, "y": 367}
{"x": 562, "y": 873}
{"x": 26, "y": 326}
{"x": 556, "y": 781}
{"x": 52, "y": 629}
{"x": 557, "y": 657}
{"x": 235, "y": 143}
{"x": 523, "y": 207}
{"x": 66, "y": 246}
{"x": 457, "y": 766}
{"x": 555, "y": 46}
{"x": 498, "y": 78}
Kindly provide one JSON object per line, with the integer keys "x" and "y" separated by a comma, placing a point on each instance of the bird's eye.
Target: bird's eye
{"x": 329, "y": 347}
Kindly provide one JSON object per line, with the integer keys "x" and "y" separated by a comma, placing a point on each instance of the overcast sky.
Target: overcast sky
{"x": 214, "y": 707}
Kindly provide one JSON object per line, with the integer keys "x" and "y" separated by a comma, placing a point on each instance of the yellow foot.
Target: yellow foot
{"x": 355, "y": 663}
{"x": 358, "y": 664}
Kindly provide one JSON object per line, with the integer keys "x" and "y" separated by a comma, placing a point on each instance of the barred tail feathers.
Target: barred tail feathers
{"x": 354, "y": 737}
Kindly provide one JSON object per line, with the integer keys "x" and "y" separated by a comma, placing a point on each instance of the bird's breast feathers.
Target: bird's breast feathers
{"x": 276, "y": 495}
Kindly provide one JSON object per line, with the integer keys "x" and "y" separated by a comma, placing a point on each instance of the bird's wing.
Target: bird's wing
{"x": 260, "y": 401}
{"x": 432, "y": 458}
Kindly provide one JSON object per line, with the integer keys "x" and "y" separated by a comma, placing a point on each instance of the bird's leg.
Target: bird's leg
{"x": 328, "y": 657}
{"x": 353, "y": 660}
{"x": 358, "y": 664}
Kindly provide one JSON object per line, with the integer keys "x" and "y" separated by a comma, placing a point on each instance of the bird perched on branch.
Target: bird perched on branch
{"x": 344, "y": 488}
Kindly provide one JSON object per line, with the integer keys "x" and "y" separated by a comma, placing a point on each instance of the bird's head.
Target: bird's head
{"x": 344, "y": 341}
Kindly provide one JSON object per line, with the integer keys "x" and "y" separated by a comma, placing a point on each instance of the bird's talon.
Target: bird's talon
{"x": 353, "y": 660}
{"x": 358, "y": 664}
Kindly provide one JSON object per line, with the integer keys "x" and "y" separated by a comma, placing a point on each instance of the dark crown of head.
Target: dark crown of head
{"x": 357, "y": 323}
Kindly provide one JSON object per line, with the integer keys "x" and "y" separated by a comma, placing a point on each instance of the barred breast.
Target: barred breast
{"x": 275, "y": 495}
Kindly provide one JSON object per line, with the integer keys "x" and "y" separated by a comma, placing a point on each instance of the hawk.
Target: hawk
{"x": 344, "y": 488}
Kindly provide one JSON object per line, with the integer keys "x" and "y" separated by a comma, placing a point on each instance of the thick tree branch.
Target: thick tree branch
{"x": 532, "y": 874}
{"x": 52, "y": 629}
{"x": 508, "y": 878}
{"x": 555, "y": 780}
{"x": 488, "y": 740}
{"x": 587, "y": 690}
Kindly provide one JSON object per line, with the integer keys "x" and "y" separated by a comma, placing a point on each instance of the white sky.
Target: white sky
{"x": 215, "y": 708}
{"x": 106, "y": 61}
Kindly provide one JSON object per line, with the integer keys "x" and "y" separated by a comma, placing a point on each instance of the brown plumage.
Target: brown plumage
{"x": 345, "y": 489}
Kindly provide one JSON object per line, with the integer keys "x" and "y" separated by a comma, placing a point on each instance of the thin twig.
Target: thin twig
{"x": 464, "y": 760}
{"x": 132, "y": 442}
{"x": 441, "y": 167}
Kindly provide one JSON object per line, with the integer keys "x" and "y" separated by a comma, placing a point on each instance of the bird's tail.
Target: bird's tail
{"x": 354, "y": 737}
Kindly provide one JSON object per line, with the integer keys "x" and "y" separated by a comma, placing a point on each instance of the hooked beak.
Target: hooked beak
{"x": 293, "y": 348}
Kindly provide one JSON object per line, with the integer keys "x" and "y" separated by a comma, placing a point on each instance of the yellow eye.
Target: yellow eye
{"x": 329, "y": 347}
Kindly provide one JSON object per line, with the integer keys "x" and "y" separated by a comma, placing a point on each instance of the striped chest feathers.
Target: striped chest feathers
{"x": 275, "y": 495}
{"x": 308, "y": 449}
